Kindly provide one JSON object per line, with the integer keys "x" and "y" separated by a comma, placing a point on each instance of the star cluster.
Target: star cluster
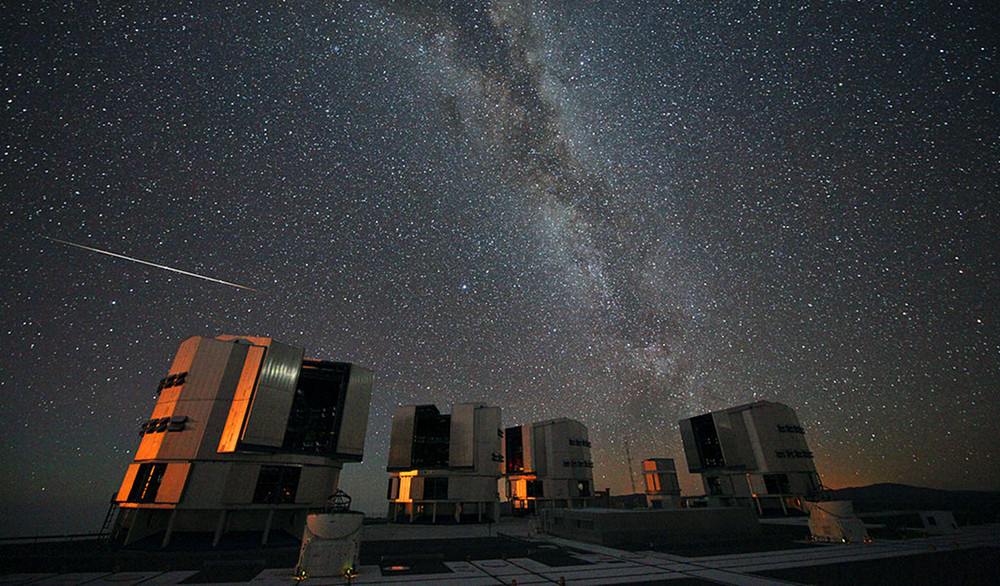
{"x": 625, "y": 213}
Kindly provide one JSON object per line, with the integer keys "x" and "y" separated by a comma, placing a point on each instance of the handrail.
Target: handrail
{"x": 44, "y": 538}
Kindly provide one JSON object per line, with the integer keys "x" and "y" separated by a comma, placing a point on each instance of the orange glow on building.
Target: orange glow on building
{"x": 246, "y": 435}
{"x": 405, "y": 479}
{"x": 241, "y": 400}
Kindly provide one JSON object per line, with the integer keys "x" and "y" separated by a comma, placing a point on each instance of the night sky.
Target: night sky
{"x": 625, "y": 213}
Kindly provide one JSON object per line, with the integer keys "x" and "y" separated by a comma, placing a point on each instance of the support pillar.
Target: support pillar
{"x": 219, "y": 527}
{"x": 267, "y": 527}
{"x": 170, "y": 528}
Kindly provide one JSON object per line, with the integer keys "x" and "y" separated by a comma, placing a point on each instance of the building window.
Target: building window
{"x": 277, "y": 485}
{"x": 317, "y": 407}
{"x": 583, "y": 488}
{"x": 814, "y": 483}
{"x": 533, "y": 489}
{"x": 714, "y": 484}
{"x": 777, "y": 484}
{"x": 147, "y": 483}
{"x": 436, "y": 488}
{"x": 791, "y": 429}
{"x": 515, "y": 450}
{"x": 173, "y": 380}
{"x": 706, "y": 439}
{"x": 431, "y": 438}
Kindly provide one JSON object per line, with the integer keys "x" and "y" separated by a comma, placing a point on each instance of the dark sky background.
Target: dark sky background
{"x": 625, "y": 213}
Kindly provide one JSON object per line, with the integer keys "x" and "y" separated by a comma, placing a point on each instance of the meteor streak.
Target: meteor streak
{"x": 146, "y": 262}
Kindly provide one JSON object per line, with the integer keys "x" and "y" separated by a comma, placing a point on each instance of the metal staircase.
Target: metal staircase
{"x": 109, "y": 519}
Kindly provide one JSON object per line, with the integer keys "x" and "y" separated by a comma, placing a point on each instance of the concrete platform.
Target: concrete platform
{"x": 463, "y": 555}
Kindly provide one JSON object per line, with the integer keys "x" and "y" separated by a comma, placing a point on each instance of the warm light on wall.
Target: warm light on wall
{"x": 404, "y": 486}
{"x": 241, "y": 400}
{"x": 519, "y": 487}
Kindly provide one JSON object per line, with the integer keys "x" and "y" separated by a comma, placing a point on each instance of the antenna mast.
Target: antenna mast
{"x": 631, "y": 476}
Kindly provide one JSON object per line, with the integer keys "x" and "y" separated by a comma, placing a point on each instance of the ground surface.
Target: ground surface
{"x": 513, "y": 551}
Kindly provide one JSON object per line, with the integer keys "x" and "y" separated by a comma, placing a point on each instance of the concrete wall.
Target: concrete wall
{"x": 615, "y": 528}
{"x": 401, "y": 438}
{"x": 461, "y": 447}
{"x": 488, "y": 451}
{"x": 552, "y": 445}
{"x": 354, "y": 424}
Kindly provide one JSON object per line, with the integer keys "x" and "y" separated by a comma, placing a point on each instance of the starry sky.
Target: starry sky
{"x": 626, "y": 213}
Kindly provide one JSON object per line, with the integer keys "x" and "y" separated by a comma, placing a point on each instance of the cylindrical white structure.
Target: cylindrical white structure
{"x": 331, "y": 543}
{"x": 834, "y": 521}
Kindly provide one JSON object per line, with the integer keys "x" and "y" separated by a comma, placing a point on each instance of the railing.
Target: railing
{"x": 48, "y": 538}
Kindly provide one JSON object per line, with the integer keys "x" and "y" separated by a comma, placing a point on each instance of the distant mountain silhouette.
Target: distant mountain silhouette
{"x": 969, "y": 506}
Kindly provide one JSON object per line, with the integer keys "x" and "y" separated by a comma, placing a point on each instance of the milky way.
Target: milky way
{"x": 623, "y": 213}
{"x": 516, "y": 118}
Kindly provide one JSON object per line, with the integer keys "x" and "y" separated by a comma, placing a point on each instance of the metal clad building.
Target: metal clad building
{"x": 754, "y": 454}
{"x": 548, "y": 464}
{"x": 246, "y": 435}
{"x": 662, "y": 488}
{"x": 445, "y": 465}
